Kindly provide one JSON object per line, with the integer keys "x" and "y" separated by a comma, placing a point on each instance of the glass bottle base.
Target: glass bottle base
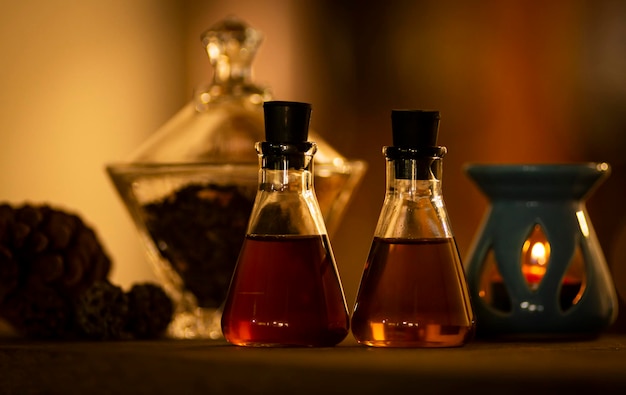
{"x": 413, "y": 294}
{"x": 285, "y": 292}
{"x": 430, "y": 336}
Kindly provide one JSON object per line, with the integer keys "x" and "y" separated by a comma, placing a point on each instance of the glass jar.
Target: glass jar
{"x": 190, "y": 187}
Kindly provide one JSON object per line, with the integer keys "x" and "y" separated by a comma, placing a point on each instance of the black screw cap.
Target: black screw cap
{"x": 414, "y": 128}
{"x": 286, "y": 121}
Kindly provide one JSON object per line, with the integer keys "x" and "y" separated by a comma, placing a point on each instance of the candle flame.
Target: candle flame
{"x": 535, "y": 257}
{"x": 538, "y": 254}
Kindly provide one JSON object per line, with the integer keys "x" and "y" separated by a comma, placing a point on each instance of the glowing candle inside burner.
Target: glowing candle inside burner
{"x": 535, "y": 257}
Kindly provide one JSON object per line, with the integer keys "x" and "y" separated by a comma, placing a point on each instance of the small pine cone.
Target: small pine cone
{"x": 9, "y": 273}
{"x": 102, "y": 312}
{"x": 39, "y": 313}
{"x": 150, "y": 311}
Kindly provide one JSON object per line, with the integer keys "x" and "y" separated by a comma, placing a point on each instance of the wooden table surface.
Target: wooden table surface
{"x": 214, "y": 367}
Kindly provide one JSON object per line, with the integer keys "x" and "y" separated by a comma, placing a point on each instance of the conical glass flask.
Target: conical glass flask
{"x": 286, "y": 290}
{"x": 413, "y": 291}
{"x": 190, "y": 187}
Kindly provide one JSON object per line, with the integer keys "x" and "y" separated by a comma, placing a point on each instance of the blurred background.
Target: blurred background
{"x": 84, "y": 82}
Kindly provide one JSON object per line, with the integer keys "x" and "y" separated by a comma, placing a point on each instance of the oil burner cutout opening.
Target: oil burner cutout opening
{"x": 493, "y": 291}
{"x": 574, "y": 282}
{"x": 535, "y": 259}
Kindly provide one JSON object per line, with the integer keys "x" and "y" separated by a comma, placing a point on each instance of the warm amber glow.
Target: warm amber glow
{"x": 535, "y": 257}
{"x": 378, "y": 330}
{"x": 534, "y": 274}
{"x": 213, "y": 50}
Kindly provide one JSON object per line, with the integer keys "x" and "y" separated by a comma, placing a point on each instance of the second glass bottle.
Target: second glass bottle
{"x": 413, "y": 291}
{"x": 286, "y": 290}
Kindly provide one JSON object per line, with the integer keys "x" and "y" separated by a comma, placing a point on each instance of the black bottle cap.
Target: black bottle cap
{"x": 286, "y": 121}
{"x": 414, "y": 128}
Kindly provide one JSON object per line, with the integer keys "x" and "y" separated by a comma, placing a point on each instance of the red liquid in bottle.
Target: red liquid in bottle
{"x": 413, "y": 294}
{"x": 285, "y": 292}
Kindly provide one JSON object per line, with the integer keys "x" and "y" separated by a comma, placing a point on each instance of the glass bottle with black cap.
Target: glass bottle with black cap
{"x": 286, "y": 289}
{"x": 413, "y": 291}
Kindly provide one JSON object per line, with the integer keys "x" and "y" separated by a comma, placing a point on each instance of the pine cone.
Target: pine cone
{"x": 102, "y": 312}
{"x": 51, "y": 247}
{"x": 150, "y": 311}
{"x": 47, "y": 257}
{"x": 54, "y": 281}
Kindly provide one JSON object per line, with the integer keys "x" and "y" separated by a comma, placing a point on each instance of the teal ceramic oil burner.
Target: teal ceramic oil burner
{"x": 535, "y": 268}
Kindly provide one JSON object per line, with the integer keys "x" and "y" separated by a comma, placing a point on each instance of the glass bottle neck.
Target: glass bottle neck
{"x": 410, "y": 172}
{"x": 285, "y": 203}
{"x": 286, "y": 156}
{"x": 286, "y": 167}
{"x": 413, "y": 206}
